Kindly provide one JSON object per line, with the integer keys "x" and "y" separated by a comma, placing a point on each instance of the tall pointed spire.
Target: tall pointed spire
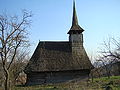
{"x": 75, "y": 28}
{"x": 75, "y": 20}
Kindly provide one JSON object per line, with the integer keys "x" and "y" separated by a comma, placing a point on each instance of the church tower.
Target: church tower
{"x": 75, "y": 31}
{"x": 75, "y": 34}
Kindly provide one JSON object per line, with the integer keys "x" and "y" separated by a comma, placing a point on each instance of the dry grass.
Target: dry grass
{"x": 97, "y": 84}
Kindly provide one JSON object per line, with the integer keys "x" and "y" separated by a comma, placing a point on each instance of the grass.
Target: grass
{"x": 97, "y": 84}
{"x": 103, "y": 82}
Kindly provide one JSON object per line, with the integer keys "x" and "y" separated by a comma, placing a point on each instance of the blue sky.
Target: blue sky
{"x": 52, "y": 19}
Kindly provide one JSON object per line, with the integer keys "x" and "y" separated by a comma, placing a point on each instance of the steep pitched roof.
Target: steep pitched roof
{"x": 75, "y": 26}
{"x": 56, "y": 56}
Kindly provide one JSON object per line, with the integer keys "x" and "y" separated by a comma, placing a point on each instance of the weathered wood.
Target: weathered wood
{"x": 56, "y": 62}
{"x": 55, "y": 77}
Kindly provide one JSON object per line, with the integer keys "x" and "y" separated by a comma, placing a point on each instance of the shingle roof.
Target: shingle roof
{"x": 75, "y": 28}
{"x": 57, "y": 56}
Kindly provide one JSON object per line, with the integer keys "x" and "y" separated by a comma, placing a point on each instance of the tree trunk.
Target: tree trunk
{"x": 108, "y": 72}
{"x": 7, "y": 77}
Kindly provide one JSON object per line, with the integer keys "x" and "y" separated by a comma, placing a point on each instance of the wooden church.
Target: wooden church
{"x": 60, "y": 61}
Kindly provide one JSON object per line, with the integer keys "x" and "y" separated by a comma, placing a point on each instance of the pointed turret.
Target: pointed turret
{"x": 75, "y": 28}
{"x": 75, "y": 20}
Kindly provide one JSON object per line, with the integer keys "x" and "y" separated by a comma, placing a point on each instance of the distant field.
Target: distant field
{"x": 97, "y": 84}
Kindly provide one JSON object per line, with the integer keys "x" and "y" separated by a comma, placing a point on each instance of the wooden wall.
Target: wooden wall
{"x": 37, "y": 78}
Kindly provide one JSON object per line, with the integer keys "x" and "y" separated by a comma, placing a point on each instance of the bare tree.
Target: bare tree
{"x": 18, "y": 65}
{"x": 105, "y": 68}
{"x": 95, "y": 72}
{"x": 111, "y": 50}
{"x": 13, "y": 36}
{"x": 110, "y": 53}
